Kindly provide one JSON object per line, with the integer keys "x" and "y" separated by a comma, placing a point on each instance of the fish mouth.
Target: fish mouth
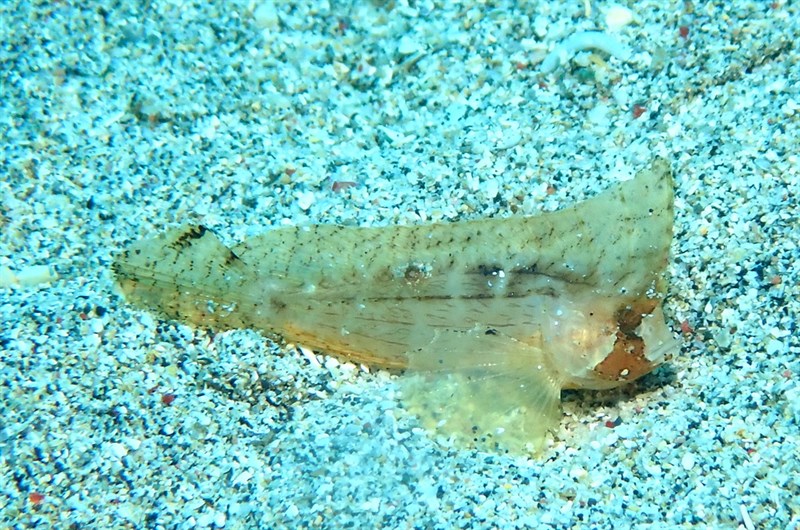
{"x": 642, "y": 343}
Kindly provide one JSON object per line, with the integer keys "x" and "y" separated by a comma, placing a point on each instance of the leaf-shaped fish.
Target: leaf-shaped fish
{"x": 488, "y": 319}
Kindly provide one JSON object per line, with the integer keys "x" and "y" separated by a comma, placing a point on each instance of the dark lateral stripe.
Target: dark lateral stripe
{"x": 479, "y": 296}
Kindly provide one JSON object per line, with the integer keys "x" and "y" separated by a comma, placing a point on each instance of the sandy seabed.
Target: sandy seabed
{"x": 118, "y": 120}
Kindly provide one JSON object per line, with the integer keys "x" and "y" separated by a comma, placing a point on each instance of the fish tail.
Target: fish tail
{"x": 187, "y": 273}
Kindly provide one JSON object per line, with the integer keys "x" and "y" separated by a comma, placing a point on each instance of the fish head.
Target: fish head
{"x": 608, "y": 344}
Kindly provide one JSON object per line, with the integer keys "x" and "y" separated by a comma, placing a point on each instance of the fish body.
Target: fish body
{"x": 487, "y": 319}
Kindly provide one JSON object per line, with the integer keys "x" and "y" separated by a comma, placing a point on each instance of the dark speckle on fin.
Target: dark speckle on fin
{"x": 488, "y": 391}
{"x": 189, "y": 234}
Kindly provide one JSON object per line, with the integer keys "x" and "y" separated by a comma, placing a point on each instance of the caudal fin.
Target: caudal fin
{"x": 186, "y": 273}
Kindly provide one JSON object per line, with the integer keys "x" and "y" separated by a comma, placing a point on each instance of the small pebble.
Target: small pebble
{"x": 265, "y": 15}
{"x": 617, "y": 17}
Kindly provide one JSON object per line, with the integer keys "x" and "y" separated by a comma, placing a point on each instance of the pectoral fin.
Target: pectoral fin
{"x": 483, "y": 389}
